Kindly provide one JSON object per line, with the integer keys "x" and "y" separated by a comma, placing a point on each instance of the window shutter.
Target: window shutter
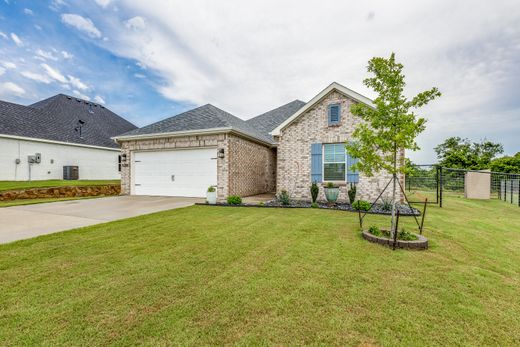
{"x": 316, "y": 162}
{"x": 352, "y": 175}
{"x": 334, "y": 114}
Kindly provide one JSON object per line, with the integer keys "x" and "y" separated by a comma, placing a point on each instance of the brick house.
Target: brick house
{"x": 283, "y": 149}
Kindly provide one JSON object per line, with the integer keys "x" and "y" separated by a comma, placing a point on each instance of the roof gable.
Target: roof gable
{"x": 333, "y": 86}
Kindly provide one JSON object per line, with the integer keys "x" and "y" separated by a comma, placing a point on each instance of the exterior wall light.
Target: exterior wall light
{"x": 220, "y": 153}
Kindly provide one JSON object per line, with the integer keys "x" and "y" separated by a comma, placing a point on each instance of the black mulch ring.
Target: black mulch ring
{"x": 404, "y": 210}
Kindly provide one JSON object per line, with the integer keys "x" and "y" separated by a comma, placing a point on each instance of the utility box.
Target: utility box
{"x": 70, "y": 173}
{"x": 477, "y": 185}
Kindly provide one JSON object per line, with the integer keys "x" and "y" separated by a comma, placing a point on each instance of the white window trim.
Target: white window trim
{"x": 344, "y": 180}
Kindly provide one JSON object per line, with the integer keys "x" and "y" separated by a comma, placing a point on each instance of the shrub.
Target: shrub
{"x": 361, "y": 205}
{"x": 314, "y": 191}
{"x": 211, "y": 189}
{"x": 261, "y": 203}
{"x": 406, "y": 235}
{"x": 234, "y": 200}
{"x": 314, "y": 205}
{"x": 284, "y": 198}
{"x": 375, "y": 231}
{"x": 386, "y": 205}
{"x": 330, "y": 185}
{"x": 352, "y": 193}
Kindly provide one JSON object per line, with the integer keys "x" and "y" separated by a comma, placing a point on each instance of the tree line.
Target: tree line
{"x": 462, "y": 153}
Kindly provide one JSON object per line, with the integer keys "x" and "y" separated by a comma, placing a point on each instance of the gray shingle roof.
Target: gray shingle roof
{"x": 56, "y": 118}
{"x": 201, "y": 118}
{"x": 267, "y": 122}
{"x": 211, "y": 117}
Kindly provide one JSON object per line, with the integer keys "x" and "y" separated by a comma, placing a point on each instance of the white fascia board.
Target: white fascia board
{"x": 333, "y": 86}
{"x": 210, "y": 131}
{"x": 34, "y": 139}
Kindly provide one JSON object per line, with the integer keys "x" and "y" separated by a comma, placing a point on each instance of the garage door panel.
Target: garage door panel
{"x": 194, "y": 170}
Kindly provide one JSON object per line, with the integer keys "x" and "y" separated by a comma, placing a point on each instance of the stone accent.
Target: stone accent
{"x": 248, "y": 168}
{"x": 60, "y": 192}
{"x": 252, "y": 167}
{"x": 294, "y": 151}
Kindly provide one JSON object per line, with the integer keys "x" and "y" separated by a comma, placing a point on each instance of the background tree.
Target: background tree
{"x": 391, "y": 125}
{"x": 509, "y": 164}
{"x": 459, "y": 153}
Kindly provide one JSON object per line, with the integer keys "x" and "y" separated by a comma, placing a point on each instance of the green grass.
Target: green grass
{"x": 11, "y": 185}
{"x": 251, "y": 276}
{"x": 20, "y": 202}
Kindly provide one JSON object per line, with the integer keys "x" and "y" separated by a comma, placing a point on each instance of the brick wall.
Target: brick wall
{"x": 294, "y": 150}
{"x": 247, "y": 168}
{"x": 252, "y": 167}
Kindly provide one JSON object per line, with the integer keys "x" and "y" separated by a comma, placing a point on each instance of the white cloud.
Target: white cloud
{"x": 46, "y": 55}
{"x": 9, "y": 65}
{"x": 81, "y": 95}
{"x": 2, "y": 71}
{"x": 81, "y": 23}
{"x": 103, "y": 3}
{"x": 16, "y": 40}
{"x": 11, "y": 89}
{"x": 76, "y": 83}
{"x": 99, "y": 99}
{"x": 54, "y": 73}
{"x": 4, "y": 35}
{"x": 36, "y": 77}
{"x": 67, "y": 55}
{"x": 38, "y": 27}
{"x": 139, "y": 75}
{"x": 28, "y": 11}
{"x": 136, "y": 23}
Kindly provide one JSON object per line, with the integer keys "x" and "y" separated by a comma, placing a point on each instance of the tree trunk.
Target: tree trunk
{"x": 394, "y": 189}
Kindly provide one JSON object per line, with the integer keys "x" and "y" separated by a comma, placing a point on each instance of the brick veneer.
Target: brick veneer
{"x": 247, "y": 168}
{"x": 294, "y": 150}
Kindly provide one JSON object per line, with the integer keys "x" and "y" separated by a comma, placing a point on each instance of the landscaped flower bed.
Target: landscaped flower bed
{"x": 404, "y": 210}
{"x": 410, "y": 241}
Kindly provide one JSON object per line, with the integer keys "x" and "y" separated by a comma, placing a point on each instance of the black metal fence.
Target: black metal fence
{"x": 435, "y": 182}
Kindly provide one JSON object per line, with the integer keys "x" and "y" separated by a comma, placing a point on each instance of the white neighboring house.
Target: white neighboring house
{"x": 38, "y": 140}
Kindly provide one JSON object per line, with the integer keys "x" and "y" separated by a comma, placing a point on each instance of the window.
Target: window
{"x": 334, "y": 162}
{"x": 334, "y": 114}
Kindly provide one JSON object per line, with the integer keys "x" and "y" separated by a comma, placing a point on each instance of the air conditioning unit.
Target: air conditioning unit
{"x": 70, "y": 173}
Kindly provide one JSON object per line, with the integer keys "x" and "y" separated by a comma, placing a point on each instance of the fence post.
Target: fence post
{"x": 512, "y": 191}
{"x": 519, "y": 192}
{"x": 441, "y": 186}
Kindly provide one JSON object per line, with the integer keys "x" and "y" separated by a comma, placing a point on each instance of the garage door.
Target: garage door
{"x": 187, "y": 172}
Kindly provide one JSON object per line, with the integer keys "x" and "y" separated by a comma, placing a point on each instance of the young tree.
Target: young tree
{"x": 390, "y": 125}
{"x": 459, "y": 153}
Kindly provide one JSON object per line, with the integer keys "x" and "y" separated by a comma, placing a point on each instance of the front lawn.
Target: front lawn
{"x": 219, "y": 275}
{"x": 12, "y": 185}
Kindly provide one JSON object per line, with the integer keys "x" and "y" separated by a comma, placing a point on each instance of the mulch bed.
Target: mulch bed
{"x": 404, "y": 210}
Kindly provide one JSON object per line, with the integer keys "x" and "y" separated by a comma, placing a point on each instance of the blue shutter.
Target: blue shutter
{"x": 316, "y": 162}
{"x": 334, "y": 115}
{"x": 352, "y": 175}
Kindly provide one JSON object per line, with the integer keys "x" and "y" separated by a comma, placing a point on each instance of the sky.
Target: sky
{"x": 148, "y": 60}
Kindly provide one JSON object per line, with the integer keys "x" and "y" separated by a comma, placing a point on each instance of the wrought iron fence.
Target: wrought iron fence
{"x": 435, "y": 182}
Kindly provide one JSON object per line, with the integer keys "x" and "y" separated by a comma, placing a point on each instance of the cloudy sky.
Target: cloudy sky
{"x": 150, "y": 59}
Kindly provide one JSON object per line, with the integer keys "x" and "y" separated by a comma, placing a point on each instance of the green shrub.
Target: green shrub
{"x": 352, "y": 193}
{"x": 406, "y": 235}
{"x": 330, "y": 185}
{"x": 261, "y": 203}
{"x": 361, "y": 205}
{"x": 315, "y": 205}
{"x": 375, "y": 231}
{"x": 283, "y": 197}
{"x": 386, "y": 205}
{"x": 314, "y": 191}
{"x": 234, "y": 200}
{"x": 211, "y": 189}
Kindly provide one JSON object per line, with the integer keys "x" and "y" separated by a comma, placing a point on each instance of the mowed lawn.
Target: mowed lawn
{"x": 12, "y": 185}
{"x": 250, "y": 276}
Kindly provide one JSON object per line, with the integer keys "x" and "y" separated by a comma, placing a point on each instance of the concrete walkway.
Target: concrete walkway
{"x": 23, "y": 222}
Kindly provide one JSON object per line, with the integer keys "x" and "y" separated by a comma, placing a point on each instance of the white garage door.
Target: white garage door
{"x": 186, "y": 172}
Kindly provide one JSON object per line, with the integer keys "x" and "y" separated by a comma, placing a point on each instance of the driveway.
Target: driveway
{"x": 23, "y": 222}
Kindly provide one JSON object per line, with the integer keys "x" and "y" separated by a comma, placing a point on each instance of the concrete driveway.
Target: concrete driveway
{"x": 23, "y": 222}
